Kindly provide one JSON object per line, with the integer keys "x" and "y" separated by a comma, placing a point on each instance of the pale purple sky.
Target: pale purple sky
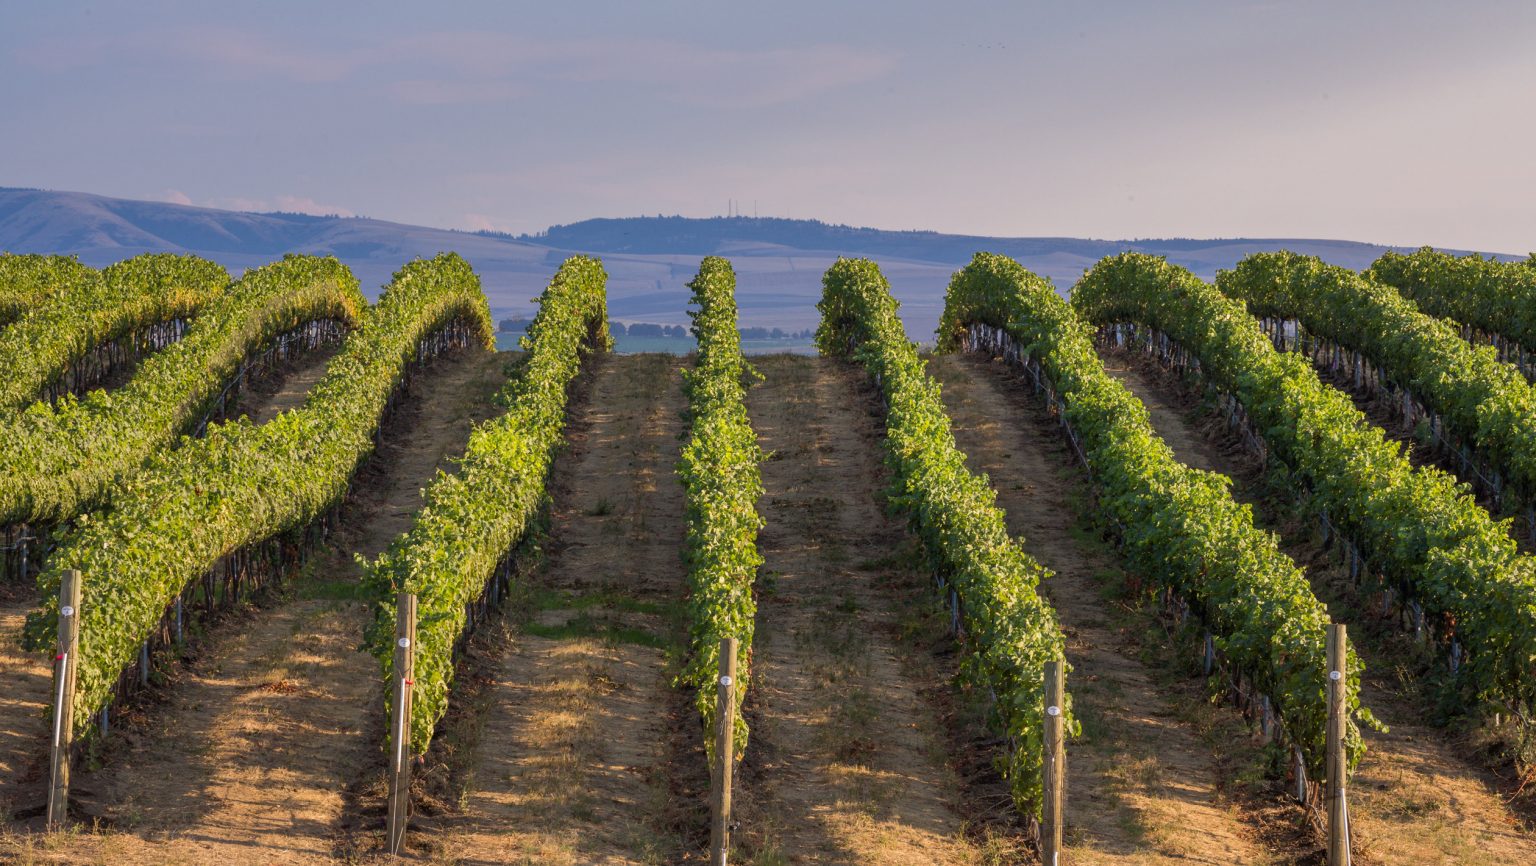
{"x": 1392, "y": 122}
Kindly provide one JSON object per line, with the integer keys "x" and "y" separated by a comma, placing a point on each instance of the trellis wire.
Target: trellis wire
{"x": 95, "y": 366}
{"x": 26, "y": 545}
{"x": 241, "y": 573}
{"x": 1399, "y": 602}
{"x": 1255, "y": 706}
{"x": 499, "y": 583}
{"x": 1371, "y": 380}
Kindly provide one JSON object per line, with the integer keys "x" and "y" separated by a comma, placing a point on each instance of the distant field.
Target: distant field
{"x": 778, "y": 263}
{"x": 627, "y": 345}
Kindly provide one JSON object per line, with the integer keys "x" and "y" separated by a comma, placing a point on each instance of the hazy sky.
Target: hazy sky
{"x": 1393, "y": 122}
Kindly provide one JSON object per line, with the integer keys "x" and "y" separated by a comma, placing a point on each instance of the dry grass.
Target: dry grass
{"x": 848, "y": 761}
{"x": 1420, "y": 795}
{"x": 1144, "y": 783}
{"x": 565, "y": 747}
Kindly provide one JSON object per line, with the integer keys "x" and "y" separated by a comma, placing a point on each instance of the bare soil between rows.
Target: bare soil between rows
{"x": 565, "y": 745}
{"x": 1150, "y": 779}
{"x": 1381, "y": 411}
{"x": 849, "y": 760}
{"x": 247, "y": 753}
{"x": 24, "y": 703}
{"x": 1419, "y": 796}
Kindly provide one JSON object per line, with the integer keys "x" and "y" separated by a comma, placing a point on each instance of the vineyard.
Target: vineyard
{"x": 1163, "y": 570}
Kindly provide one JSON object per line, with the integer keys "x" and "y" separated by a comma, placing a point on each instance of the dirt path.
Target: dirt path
{"x": 247, "y": 758}
{"x": 571, "y": 767}
{"x": 24, "y": 704}
{"x": 286, "y": 387}
{"x": 1414, "y": 800}
{"x": 1190, "y": 444}
{"x": 850, "y": 757}
{"x": 1143, "y": 783}
{"x": 1382, "y": 412}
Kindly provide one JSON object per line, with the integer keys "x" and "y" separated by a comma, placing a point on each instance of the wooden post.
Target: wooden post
{"x": 400, "y": 738}
{"x": 65, "y": 661}
{"x": 1053, "y": 767}
{"x": 725, "y": 756}
{"x": 1338, "y": 765}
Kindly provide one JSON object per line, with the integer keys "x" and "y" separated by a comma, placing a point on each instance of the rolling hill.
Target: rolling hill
{"x": 779, "y": 261}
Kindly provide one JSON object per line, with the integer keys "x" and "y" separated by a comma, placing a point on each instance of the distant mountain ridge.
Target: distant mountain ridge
{"x": 649, "y": 259}
{"x": 704, "y": 236}
{"x": 100, "y": 229}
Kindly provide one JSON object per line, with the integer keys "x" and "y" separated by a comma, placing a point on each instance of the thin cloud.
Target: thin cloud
{"x": 218, "y": 49}
{"x": 260, "y": 57}
{"x": 721, "y": 78}
{"x": 427, "y": 92}
{"x": 302, "y": 204}
{"x": 283, "y": 203}
{"x": 478, "y": 62}
{"x": 679, "y": 71}
{"x": 479, "y": 222}
{"x": 454, "y": 67}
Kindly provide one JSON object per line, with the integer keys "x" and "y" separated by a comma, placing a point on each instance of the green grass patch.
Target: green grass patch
{"x": 553, "y": 599}
{"x": 587, "y": 626}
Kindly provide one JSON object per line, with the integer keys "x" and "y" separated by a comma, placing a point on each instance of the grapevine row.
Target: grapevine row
{"x": 1481, "y": 401}
{"x": 457, "y": 555}
{"x": 194, "y": 507}
{"x": 719, "y": 470}
{"x": 88, "y": 310}
{"x": 63, "y": 459}
{"x": 1011, "y": 631}
{"x": 1420, "y": 528}
{"x": 26, "y": 280}
{"x": 1495, "y": 301}
{"x": 1179, "y": 526}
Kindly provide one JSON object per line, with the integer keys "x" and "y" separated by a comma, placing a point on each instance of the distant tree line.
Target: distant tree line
{"x": 651, "y": 329}
{"x": 775, "y": 334}
{"x": 646, "y": 329}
